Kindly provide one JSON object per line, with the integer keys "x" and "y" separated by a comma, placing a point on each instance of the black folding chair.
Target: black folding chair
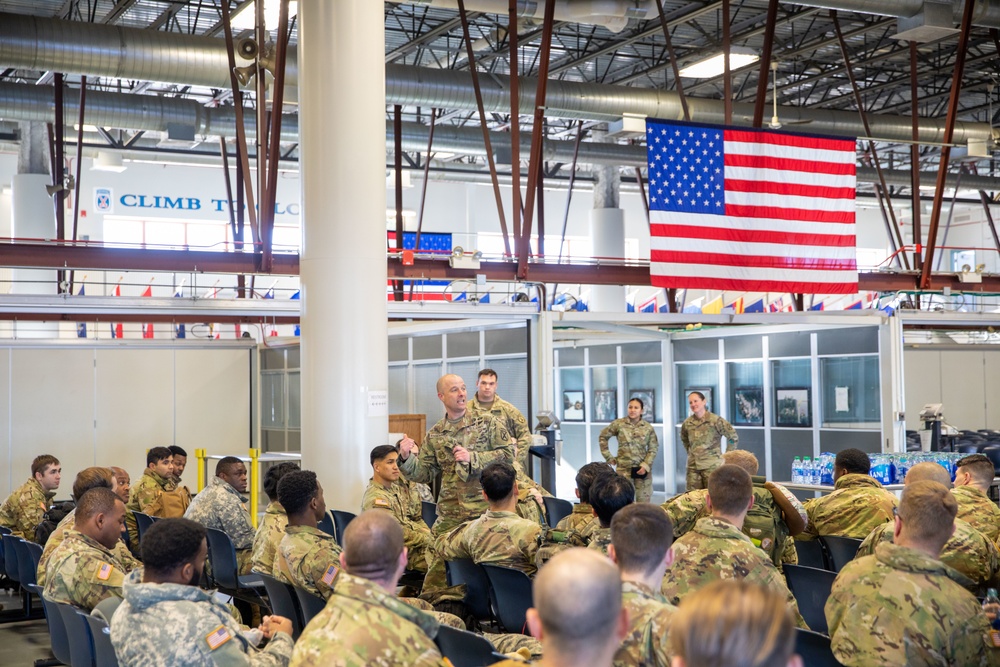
{"x": 811, "y": 588}
{"x": 326, "y": 525}
{"x": 57, "y": 631}
{"x": 511, "y": 592}
{"x": 811, "y": 553}
{"x": 841, "y": 550}
{"x": 464, "y": 648}
{"x": 28, "y": 554}
{"x": 10, "y": 564}
{"x": 81, "y": 648}
{"x": 310, "y": 604}
{"x": 340, "y": 521}
{"x": 556, "y": 509}
{"x": 477, "y": 586}
{"x": 100, "y": 634}
{"x": 429, "y": 512}
{"x": 814, "y": 649}
{"x": 284, "y": 602}
{"x": 142, "y": 523}
{"x": 225, "y": 572}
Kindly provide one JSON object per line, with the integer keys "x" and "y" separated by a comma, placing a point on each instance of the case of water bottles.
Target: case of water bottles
{"x": 886, "y": 468}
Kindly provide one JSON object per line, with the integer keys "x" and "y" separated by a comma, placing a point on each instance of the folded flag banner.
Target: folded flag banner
{"x": 751, "y": 210}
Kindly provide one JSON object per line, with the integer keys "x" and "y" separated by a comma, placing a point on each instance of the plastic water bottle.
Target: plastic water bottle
{"x": 806, "y": 470}
{"x": 826, "y": 476}
{"x": 991, "y": 607}
{"x": 816, "y": 475}
{"x": 797, "y": 470}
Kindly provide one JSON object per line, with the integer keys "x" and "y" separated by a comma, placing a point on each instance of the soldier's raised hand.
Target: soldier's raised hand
{"x": 407, "y": 446}
{"x": 462, "y": 454}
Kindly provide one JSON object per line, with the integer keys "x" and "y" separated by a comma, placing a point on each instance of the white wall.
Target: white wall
{"x": 966, "y": 382}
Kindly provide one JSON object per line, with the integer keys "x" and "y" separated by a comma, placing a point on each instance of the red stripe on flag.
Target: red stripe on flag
{"x": 753, "y": 261}
{"x": 783, "y": 139}
{"x": 751, "y": 235}
{"x": 795, "y": 189}
{"x": 788, "y": 164}
{"x": 795, "y": 287}
{"x": 778, "y": 213}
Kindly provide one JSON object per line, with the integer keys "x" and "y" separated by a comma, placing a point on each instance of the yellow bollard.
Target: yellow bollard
{"x": 254, "y": 484}
{"x": 201, "y": 455}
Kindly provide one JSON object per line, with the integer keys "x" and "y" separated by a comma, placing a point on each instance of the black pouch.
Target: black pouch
{"x": 636, "y": 475}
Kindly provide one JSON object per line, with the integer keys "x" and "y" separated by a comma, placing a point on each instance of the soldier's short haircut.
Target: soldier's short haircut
{"x": 382, "y": 451}
{"x": 157, "y": 454}
{"x": 226, "y": 465}
{"x": 853, "y": 461}
{"x": 743, "y": 459}
{"x": 100, "y": 500}
{"x": 578, "y": 598}
{"x": 608, "y": 494}
{"x": 488, "y": 372}
{"x": 373, "y": 542}
{"x": 171, "y": 543}
{"x": 92, "y": 478}
{"x": 274, "y": 475}
{"x": 928, "y": 470}
{"x": 177, "y": 450}
{"x": 733, "y": 622}
{"x": 927, "y": 510}
{"x": 498, "y": 480}
{"x": 587, "y": 474}
{"x": 979, "y": 466}
{"x": 296, "y": 489}
{"x": 41, "y": 462}
{"x": 730, "y": 489}
{"x": 698, "y": 394}
{"x": 641, "y": 534}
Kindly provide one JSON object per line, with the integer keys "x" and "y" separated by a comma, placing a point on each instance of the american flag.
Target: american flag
{"x": 751, "y": 210}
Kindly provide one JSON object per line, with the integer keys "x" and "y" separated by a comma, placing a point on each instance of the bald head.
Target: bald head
{"x": 373, "y": 544}
{"x": 445, "y": 380}
{"x": 577, "y": 597}
{"x": 928, "y": 471}
{"x": 452, "y": 393}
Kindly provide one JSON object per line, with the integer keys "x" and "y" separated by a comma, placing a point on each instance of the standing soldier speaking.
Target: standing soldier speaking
{"x": 486, "y": 400}
{"x": 637, "y": 447}
{"x": 701, "y": 434}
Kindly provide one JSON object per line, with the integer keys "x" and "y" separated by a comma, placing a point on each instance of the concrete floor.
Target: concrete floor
{"x": 23, "y": 642}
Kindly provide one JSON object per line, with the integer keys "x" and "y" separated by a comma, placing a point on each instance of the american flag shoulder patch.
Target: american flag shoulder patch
{"x": 331, "y": 573}
{"x": 104, "y": 571}
{"x": 381, "y": 502}
{"x": 218, "y": 637}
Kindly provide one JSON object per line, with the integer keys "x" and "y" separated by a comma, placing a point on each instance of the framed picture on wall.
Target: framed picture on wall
{"x": 605, "y": 405}
{"x": 748, "y": 406}
{"x": 792, "y": 407}
{"x": 572, "y": 406}
{"x": 705, "y": 391}
{"x": 648, "y": 398}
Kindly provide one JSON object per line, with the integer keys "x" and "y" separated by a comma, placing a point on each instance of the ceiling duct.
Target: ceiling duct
{"x": 611, "y": 14}
{"x": 986, "y": 13}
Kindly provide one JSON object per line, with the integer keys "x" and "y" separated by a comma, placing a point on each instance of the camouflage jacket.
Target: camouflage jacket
{"x": 975, "y": 507}
{"x": 497, "y": 538}
{"x": 404, "y": 503}
{"x": 967, "y": 552}
{"x": 581, "y": 519}
{"x": 147, "y": 489}
{"x": 128, "y": 562}
{"x": 637, "y": 444}
{"x": 308, "y": 558}
{"x": 600, "y": 538}
{"x": 82, "y": 572}
{"x": 173, "y": 625}
{"x": 23, "y": 509}
{"x": 220, "y": 506}
{"x": 716, "y": 549}
{"x": 269, "y": 533}
{"x": 701, "y": 437}
{"x": 857, "y": 506}
{"x": 486, "y": 439}
{"x": 366, "y": 626}
{"x": 512, "y": 419}
{"x": 902, "y": 607}
{"x": 647, "y": 642}
{"x": 685, "y": 509}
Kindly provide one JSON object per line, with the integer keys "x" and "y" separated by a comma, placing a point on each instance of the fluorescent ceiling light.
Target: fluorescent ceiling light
{"x": 108, "y": 161}
{"x": 714, "y": 66}
{"x": 245, "y": 16}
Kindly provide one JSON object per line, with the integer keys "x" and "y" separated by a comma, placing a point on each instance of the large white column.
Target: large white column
{"x": 343, "y": 265}
{"x": 607, "y": 229}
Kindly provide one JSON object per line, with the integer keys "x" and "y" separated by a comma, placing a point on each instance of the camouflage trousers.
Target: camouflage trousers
{"x": 442, "y": 617}
{"x": 697, "y": 479}
{"x": 435, "y": 588}
{"x": 523, "y": 646}
{"x": 643, "y": 487}
{"x": 419, "y": 553}
{"x": 244, "y": 560}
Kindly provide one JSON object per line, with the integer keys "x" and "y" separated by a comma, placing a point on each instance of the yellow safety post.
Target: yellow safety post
{"x": 201, "y": 455}
{"x": 254, "y": 484}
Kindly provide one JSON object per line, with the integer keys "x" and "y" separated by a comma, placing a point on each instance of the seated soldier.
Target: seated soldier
{"x": 608, "y": 494}
{"x": 364, "y": 618}
{"x": 734, "y": 623}
{"x": 500, "y": 536}
{"x": 716, "y": 547}
{"x": 857, "y": 506}
{"x": 123, "y": 484}
{"x": 902, "y": 606}
{"x": 582, "y": 519}
{"x": 641, "y": 536}
{"x": 84, "y": 570}
{"x": 968, "y": 551}
{"x": 307, "y": 557}
{"x": 973, "y": 479}
{"x": 167, "y": 620}
{"x": 180, "y": 458}
{"x": 23, "y": 509}
{"x": 272, "y": 527}
{"x": 220, "y": 505}
{"x": 155, "y": 493}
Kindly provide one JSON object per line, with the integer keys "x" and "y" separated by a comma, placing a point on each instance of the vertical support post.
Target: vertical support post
{"x": 423, "y": 190}
{"x": 727, "y": 72}
{"x": 673, "y": 61}
{"x": 79, "y": 170}
{"x": 59, "y": 162}
{"x": 272, "y": 164}
{"x": 515, "y": 126}
{"x": 200, "y": 456}
{"x": 254, "y": 483}
{"x": 915, "y": 161}
{"x": 397, "y": 132}
{"x": 765, "y": 63}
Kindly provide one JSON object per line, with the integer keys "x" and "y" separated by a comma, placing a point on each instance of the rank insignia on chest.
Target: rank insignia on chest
{"x": 104, "y": 572}
{"x": 330, "y": 575}
{"x": 381, "y": 502}
{"x": 218, "y": 637}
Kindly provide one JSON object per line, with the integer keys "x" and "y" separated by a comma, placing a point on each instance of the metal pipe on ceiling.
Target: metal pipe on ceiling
{"x": 986, "y": 13}
{"x": 611, "y": 14}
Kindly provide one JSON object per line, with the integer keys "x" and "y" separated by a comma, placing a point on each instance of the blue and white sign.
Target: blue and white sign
{"x": 104, "y": 200}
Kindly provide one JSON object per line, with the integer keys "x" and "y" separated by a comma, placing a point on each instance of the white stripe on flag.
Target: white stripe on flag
{"x": 790, "y": 152}
{"x": 752, "y": 273}
{"x": 751, "y": 249}
{"x": 790, "y": 176}
{"x": 788, "y": 201}
{"x": 745, "y": 223}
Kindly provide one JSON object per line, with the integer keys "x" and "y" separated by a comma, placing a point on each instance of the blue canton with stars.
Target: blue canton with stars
{"x": 686, "y": 168}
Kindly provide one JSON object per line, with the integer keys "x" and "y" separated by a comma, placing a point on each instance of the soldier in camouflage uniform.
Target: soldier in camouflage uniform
{"x": 145, "y": 495}
{"x": 166, "y": 620}
{"x": 365, "y": 624}
{"x": 307, "y": 557}
{"x": 856, "y": 507}
{"x": 637, "y": 448}
{"x": 640, "y": 546}
{"x": 498, "y": 537}
{"x": 902, "y": 606}
{"x": 221, "y": 506}
{"x": 716, "y": 547}
{"x": 582, "y": 519}
{"x": 608, "y": 494}
{"x": 272, "y": 526}
{"x": 83, "y": 570}
{"x": 485, "y": 400}
{"x": 23, "y": 509}
{"x": 973, "y": 479}
{"x": 701, "y": 434}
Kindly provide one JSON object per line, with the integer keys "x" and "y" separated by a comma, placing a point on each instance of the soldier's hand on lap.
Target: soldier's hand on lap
{"x": 273, "y": 624}
{"x": 537, "y": 495}
{"x": 462, "y": 454}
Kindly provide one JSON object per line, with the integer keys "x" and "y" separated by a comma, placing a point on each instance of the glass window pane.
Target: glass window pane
{"x": 604, "y": 403}
{"x": 851, "y": 391}
{"x": 425, "y": 400}
{"x": 512, "y": 381}
{"x": 294, "y": 400}
{"x": 646, "y": 383}
{"x": 571, "y": 380}
{"x": 124, "y": 232}
{"x": 272, "y": 400}
{"x": 398, "y": 399}
{"x": 463, "y": 344}
{"x": 697, "y": 377}
{"x": 506, "y": 341}
{"x": 746, "y": 393}
{"x": 165, "y": 234}
{"x": 206, "y": 236}
{"x": 427, "y": 347}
